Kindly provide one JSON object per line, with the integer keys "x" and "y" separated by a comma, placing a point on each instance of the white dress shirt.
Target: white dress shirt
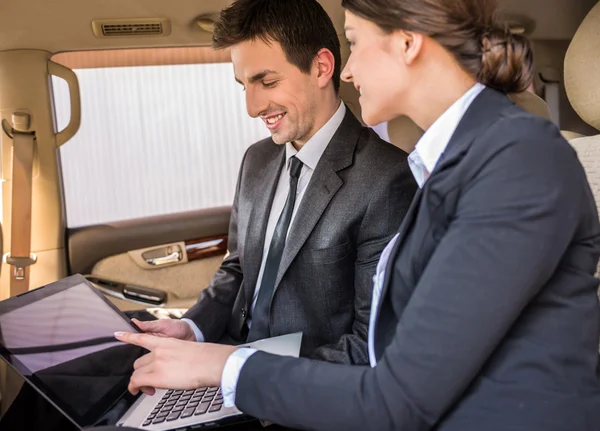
{"x": 422, "y": 162}
{"x": 309, "y": 155}
{"x": 382, "y": 130}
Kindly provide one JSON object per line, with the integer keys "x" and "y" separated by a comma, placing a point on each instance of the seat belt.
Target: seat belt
{"x": 20, "y": 257}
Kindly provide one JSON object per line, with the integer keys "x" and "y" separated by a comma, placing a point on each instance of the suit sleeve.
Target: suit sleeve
{"x": 513, "y": 222}
{"x": 385, "y": 211}
{"x": 212, "y": 311}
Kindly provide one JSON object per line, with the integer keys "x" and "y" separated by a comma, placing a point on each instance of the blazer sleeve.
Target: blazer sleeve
{"x": 513, "y": 222}
{"x": 388, "y": 206}
{"x": 213, "y": 309}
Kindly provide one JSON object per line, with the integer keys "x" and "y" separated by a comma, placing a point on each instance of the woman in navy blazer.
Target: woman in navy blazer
{"x": 485, "y": 312}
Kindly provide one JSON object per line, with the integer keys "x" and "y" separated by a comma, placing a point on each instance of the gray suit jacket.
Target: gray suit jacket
{"x": 489, "y": 318}
{"x": 324, "y": 284}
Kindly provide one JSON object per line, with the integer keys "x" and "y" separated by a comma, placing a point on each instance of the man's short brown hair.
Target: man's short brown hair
{"x": 301, "y": 27}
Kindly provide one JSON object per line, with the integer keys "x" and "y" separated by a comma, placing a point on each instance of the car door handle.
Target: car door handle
{"x": 174, "y": 257}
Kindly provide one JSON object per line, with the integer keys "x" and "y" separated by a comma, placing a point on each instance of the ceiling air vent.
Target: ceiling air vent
{"x": 131, "y": 27}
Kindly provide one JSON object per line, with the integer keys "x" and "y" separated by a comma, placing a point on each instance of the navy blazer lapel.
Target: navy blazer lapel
{"x": 267, "y": 180}
{"x": 322, "y": 187}
{"x": 405, "y": 226}
{"x": 486, "y": 106}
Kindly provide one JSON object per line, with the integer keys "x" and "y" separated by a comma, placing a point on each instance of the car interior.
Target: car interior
{"x": 137, "y": 129}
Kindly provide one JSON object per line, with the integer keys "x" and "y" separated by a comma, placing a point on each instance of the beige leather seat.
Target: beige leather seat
{"x": 568, "y": 135}
{"x": 404, "y": 133}
{"x": 531, "y": 103}
{"x": 582, "y": 82}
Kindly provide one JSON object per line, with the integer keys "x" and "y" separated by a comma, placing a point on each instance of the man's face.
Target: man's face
{"x": 276, "y": 90}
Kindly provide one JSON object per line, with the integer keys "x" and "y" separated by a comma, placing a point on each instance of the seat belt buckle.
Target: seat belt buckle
{"x": 20, "y": 264}
{"x": 21, "y": 121}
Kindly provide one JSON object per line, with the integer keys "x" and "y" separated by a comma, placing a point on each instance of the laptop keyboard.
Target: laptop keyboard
{"x": 184, "y": 404}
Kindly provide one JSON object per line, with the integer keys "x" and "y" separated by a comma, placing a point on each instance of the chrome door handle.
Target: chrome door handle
{"x": 159, "y": 261}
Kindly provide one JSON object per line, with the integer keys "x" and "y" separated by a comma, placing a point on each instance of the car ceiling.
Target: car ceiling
{"x": 66, "y": 25}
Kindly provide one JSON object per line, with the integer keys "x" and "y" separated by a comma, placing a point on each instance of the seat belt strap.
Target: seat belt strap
{"x": 20, "y": 257}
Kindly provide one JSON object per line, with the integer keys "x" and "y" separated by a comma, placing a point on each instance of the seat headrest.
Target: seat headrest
{"x": 582, "y": 69}
{"x": 531, "y": 103}
{"x": 404, "y": 133}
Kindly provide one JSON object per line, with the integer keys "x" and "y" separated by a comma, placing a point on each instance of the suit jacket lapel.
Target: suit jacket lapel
{"x": 322, "y": 187}
{"x": 486, "y": 106}
{"x": 482, "y": 110}
{"x": 405, "y": 226}
{"x": 267, "y": 179}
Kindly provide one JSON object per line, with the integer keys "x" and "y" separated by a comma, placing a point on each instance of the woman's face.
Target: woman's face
{"x": 376, "y": 68}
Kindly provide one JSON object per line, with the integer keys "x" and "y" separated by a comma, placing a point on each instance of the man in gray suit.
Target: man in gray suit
{"x": 310, "y": 217}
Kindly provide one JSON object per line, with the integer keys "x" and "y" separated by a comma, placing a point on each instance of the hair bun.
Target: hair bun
{"x": 506, "y": 61}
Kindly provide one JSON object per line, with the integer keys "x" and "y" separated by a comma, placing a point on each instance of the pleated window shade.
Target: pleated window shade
{"x": 154, "y": 139}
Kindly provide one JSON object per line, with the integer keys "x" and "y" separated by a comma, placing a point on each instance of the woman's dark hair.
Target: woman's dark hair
{"x": 466, "y": 28}
{"x": 301, "y": 27}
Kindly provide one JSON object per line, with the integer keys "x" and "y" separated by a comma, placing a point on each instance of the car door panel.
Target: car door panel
{"x": 176, "y": 254}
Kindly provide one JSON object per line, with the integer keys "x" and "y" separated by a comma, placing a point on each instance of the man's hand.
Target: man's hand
{"x": 167, "y": 328}
{"x": 175, "y": 364}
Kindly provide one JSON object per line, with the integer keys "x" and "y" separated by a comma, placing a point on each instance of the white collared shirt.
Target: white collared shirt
{"x": 422, "y": 162}
{"x": 433, "y": 143}
{"x": 309, "y": 155}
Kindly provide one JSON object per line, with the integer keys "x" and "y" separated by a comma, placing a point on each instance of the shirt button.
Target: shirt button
{"x": 243, "y": 313}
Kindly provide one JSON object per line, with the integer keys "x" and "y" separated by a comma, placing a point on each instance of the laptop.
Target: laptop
{"x": 59, "y": 338}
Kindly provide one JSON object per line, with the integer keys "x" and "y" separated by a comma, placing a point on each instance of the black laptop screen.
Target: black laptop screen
{"x": 60, "y": 338}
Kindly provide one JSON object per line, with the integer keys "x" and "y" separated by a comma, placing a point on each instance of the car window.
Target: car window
{"x": 154, "y": 138}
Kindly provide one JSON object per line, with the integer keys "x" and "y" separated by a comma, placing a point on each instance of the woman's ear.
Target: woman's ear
{"x": 407, "y": 45}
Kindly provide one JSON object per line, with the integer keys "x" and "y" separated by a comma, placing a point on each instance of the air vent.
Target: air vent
{"x": 131, "y": 27}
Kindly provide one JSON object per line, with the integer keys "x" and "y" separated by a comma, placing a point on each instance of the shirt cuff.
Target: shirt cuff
{"x": 197, "y": 332}
{"x": 231, "y": 374}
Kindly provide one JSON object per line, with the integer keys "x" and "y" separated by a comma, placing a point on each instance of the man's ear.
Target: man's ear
{"x": 325, "y": 67}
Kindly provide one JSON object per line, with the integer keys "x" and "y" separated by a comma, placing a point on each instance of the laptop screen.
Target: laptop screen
{"x": 60, "y": 338}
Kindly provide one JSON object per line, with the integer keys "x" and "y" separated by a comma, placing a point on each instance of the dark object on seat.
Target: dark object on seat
{"x": 129, "y": 292}
{"x": 142, "y": 315}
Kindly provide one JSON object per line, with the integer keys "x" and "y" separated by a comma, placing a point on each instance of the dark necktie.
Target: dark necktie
{"x": 262, "y": 310}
